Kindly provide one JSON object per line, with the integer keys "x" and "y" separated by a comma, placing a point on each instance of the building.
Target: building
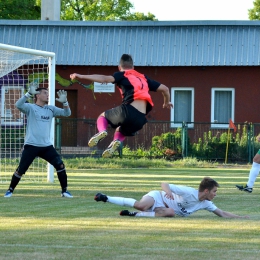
{"x": 211, "y": 67}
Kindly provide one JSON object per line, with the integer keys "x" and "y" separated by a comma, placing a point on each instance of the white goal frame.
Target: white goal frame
{"x": 52, "y": 65}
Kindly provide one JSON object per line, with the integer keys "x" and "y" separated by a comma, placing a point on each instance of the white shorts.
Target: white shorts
{"x": 158, "y": 201}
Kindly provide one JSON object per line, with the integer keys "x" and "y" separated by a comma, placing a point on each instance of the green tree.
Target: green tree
{"x": 77, "y": 10}
{"x": 101, "y": 10}
{"x": 254, "y": 13}
{"x": 20, "y": 9}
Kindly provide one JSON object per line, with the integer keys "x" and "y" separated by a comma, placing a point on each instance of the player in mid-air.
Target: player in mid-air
{"x": 130, "y": 116}
{"x": 172, "y": 200}
{"x": 37, "y": 140}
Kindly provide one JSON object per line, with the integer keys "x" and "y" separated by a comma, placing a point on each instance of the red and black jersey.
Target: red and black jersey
{"x": 135, "y": 86}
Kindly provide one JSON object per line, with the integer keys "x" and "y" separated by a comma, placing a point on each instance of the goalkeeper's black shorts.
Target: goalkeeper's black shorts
{"x": 30, "y": 152}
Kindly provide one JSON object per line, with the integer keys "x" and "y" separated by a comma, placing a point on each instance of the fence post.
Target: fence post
{"x": 58, "y": 135}
{"x": 253, "y": 143}
{"x": 184, "y": 143}
{"x": 120, "y": 150}
{"x": 249, "y": 144}
{"x": 250, "y": 141}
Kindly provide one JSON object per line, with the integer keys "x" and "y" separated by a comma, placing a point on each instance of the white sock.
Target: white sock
{"x": 121, "y": 201}
{"x": 253, "y": 174}
{"x": 145, "y": 214}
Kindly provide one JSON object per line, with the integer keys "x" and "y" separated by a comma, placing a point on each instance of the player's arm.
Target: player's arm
{"x": 166, "y": 96}
{"x": 166, "y": 187}
{"x": 20, "y": 104}
{"x": 225, "y": 214}
{"x": 94, "y": 77}
{"x": 62, "y": 94}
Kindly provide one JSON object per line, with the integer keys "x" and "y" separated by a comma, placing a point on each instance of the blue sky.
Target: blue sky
{"x": 166, "y": 10}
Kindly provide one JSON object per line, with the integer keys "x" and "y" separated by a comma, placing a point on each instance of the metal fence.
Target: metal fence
{"x": 208, "y": 141}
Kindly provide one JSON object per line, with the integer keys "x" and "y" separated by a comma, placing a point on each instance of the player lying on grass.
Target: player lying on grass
{"x": 173, "y": 200}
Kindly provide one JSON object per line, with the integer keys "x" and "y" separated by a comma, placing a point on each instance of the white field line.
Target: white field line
{"x": 141, "y": 249}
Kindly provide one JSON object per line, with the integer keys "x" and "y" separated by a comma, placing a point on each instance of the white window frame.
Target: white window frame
{"x": 213, "y": 90}
{"x": 173, "y": 124}
{"x": 5, "y": 121}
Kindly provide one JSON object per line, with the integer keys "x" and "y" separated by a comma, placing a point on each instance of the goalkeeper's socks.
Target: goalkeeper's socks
{"x": 14, "y": 181}
{"x": 62, "y": 176}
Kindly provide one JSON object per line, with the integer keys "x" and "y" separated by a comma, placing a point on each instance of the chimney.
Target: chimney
{"x": 50, "y": 10}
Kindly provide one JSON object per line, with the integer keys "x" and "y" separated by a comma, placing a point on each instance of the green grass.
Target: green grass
{"x": 36, "y": 223}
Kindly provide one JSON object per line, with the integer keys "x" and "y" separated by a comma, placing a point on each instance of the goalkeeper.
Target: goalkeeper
{"x": 172, "y": 200}
{"x": 37, "y": 139}
{"x": 130, "y": 117}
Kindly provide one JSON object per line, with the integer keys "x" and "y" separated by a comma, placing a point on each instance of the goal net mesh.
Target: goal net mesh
{"x": 17, "y": 71}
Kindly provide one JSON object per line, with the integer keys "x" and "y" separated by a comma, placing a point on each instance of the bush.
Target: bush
{"x": 214, "y": 147}
{"x": 167, "y": 145}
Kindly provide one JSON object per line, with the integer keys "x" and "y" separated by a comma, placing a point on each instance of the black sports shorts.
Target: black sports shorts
{"x": 30, "y": 152}
{"x": 127, "y": 117}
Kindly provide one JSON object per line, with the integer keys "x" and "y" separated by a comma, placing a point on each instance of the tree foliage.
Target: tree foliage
{"x": 254, "y": 13}
{"x": 20, "y": 9}
{"x": 76, "y": 10}
{"x": 101, "y": 10}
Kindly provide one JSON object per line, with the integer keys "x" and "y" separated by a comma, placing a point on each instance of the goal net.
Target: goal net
{"x": 20, "y": 67}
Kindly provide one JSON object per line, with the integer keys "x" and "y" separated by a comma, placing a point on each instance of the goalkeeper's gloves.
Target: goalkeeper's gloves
{"x": 32, "y": 90}
{"x": 62, "y": 97}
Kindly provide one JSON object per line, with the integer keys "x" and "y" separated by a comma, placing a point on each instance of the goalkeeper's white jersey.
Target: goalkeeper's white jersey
{"x": 186, "y": 201}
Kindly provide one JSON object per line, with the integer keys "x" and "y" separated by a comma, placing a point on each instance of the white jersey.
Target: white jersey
{"x": 186, "y": 200}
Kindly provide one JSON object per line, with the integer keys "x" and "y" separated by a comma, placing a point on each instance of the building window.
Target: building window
{"x": 10, "y": 115}
{"x": 183, "y": 106}
{"x": 222, "y": 106}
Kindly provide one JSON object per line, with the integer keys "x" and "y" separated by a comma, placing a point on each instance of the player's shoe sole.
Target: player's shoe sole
{"x": 94, "y": 140}
{"x": 244, "y": 188}
{"x": 111, "y": 149}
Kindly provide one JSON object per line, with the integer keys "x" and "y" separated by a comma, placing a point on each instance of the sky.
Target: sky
{"x": 172, "y": 10}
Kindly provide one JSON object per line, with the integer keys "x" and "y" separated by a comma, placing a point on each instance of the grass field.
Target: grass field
{"x": 36, "y": 223}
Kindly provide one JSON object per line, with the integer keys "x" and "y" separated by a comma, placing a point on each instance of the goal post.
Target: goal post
{"x": 18, "y": 68}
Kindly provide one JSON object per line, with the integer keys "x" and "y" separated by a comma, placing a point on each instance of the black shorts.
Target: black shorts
{"x": 127, "y": 117}
{"x": 30, "y": 152}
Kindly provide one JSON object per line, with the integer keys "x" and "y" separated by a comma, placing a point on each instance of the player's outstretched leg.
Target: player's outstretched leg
{"x": 14, "y": 182}
{"x": 94, "y": 140}
{"x": 111, "y": 149}
{"x": 100, "y": 197}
